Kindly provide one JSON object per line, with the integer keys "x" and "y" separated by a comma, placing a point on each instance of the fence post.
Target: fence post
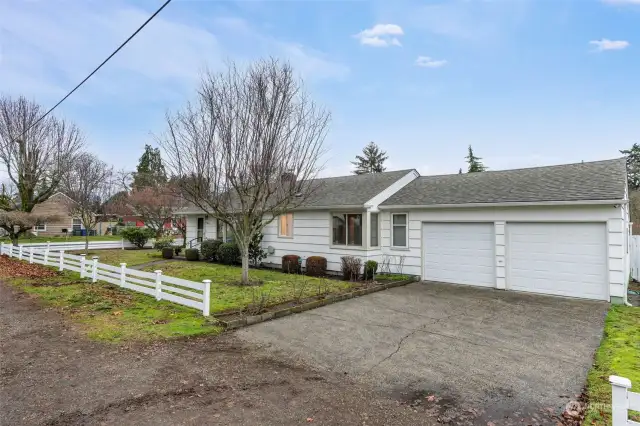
{"x": 46, "y": 254}
{"x": 619, "y": 400}
{"x": 122, "y": 243}
{"x": 94, "y": 270}
{"x": 206, "y": 295}
{"x": 123, "y": 274}
{"x": 61, "y": 261}
{"x": 158, "y": 284}
{"x": 82, "y": 261}
{"x": 20, "y": 252}
{"x": 1, "y": 248}
{"x": 30, "y": 254}
{"x": 11, "y": 250}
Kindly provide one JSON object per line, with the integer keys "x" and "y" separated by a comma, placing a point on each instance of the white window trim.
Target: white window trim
{"x": 35, "y": 228}
{"x": 76, "y": 218}
{"x": 362, "y": 246}
{"x": 280, "y": 234}
{"x": 406, "y": 225}
{"x": 378, "y": 230}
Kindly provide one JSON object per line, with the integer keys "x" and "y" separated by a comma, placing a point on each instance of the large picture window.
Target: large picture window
{"x": 399, "y": 230}
{"x": 286, "y": 225}
{"x": 40, "y": 227}
{"x": 77, "y": 224}
{"x": 347, "y": 229}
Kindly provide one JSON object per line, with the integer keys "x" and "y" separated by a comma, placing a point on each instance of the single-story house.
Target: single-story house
{"x": 559, "y": 230}
{"x": 61, "y": 222}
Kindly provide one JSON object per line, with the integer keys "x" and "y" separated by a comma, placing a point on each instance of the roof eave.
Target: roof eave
{"x": 504, "y": 204}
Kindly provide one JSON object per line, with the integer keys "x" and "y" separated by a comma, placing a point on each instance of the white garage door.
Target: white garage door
{"x": 567, "y": 259}
{"x": 460, "y": 253}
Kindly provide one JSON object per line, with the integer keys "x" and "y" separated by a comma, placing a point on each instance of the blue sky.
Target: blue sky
{"x": 525, "y": 82}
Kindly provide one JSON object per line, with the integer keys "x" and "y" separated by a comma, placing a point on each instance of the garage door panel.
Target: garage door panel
{"x": 567, "y": 259}
{"x": 459, "y": 253}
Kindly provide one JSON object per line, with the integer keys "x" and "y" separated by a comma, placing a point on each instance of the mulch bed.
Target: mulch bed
{"x": 12, "y": 268}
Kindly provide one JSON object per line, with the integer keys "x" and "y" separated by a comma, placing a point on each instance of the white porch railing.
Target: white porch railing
{"x": 622, "y": 401}
{"x": 183, "y": 292}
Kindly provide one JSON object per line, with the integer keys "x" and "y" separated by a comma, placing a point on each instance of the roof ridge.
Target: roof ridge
{"x": 364, "y": 174}
{"x": 526, "y": 168}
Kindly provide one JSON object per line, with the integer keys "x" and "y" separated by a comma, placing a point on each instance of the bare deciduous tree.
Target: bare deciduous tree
{"x": 89, "y": 185}
{"x": 247, "y": 150}
{"x": 36, "y": 154}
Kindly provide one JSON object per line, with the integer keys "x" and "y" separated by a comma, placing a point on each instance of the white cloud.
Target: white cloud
{"x": 606, "y": 44}
{"x": 381, "y": 35}
{"x": 428, "y": 62}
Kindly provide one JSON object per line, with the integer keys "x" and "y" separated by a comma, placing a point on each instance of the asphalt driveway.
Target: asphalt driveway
{"x": 485, "y": 354}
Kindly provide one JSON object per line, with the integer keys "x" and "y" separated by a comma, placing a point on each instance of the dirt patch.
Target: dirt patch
{"x": 51, "y": 375}
{"x": 12, "y": 268}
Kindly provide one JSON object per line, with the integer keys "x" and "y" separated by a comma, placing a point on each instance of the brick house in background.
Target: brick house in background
{"x": 57, "y": 207}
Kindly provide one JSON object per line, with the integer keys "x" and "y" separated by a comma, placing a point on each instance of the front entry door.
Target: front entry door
{"x": 200, "y": 233}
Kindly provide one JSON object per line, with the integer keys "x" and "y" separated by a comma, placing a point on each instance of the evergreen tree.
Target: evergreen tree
{"x": 150, "y": 170}
{"x": 460, "y": 171}
{"x": 371, "y": 161}
{"x": 633, "y": 166}
{"x": 475, "y": 163}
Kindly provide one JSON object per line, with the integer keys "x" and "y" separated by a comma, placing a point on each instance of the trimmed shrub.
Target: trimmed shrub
{"x": 317, "y": 266}
{"x": 167, "y": 253}
{"x": 177, "y": 250}
{"x": 256, "y": 254}
{"x": 350, "y": 268}
{"x": 228, "y": 253}
{"x": 162, "y": 243}
{"x": 291, "y": 264}
{"x": 192, "y": 254}
{"x": 209, "y": 249}
{"x": 137, "y": 236}
{"x": 370, "y": 269}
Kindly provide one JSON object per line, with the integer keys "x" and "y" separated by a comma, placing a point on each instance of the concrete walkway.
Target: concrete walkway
{"x": 498, "y": 353}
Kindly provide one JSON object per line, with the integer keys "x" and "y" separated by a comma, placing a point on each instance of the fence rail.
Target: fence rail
{"x": 93, "y": 245}
{"x": 183, "y": 292}
{"x": 634, "y": 254}
{"x": 622, "y": 401}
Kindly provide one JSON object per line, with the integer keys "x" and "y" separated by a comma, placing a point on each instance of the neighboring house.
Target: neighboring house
{"x": 559, "y": 230}
{"x": 57, "y": 207}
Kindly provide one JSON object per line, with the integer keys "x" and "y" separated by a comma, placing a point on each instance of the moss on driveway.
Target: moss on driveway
{"x": 276, "y": 287}
{"x": 618, "y": 354}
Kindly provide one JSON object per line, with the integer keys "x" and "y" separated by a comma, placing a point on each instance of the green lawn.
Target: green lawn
{"x": 130, "y": 257}
{"x": 109, "y": 313}
{"x": 26, "y": 240}
{"x": 276, "y": 287}
{"x": 618, "y": 354}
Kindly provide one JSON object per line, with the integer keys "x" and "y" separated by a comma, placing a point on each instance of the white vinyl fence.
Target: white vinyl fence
{"x": 622, "y": 401}
{"x": 162, "y": 287}
{"x": 93, "y": 245}
{"x": 634, "y": 254}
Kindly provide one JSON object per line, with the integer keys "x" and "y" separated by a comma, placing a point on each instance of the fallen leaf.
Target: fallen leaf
{"x": 431, "y": 398}
{"x": 117, "y": 313}
{"x": 309, "y": 419}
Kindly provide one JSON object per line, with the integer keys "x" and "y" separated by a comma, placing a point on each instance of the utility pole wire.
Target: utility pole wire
{"x": 99, "y": 66}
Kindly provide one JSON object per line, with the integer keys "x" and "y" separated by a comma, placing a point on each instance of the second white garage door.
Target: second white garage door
{"x": 459, "y": 253}
{"x": 567, "y": 259}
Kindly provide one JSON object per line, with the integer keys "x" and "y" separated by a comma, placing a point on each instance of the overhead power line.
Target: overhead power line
{"x": 99, "y": 66}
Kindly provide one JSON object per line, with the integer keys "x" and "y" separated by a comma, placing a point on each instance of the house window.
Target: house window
{"x": 40, "y": 227}
{"x": 399, "y": 230}
{"x": 347, "y": 229}
{"x": 77, "y": 224}
{"x": 286, "y": 225}
{"x": 219, "y": 229}
{"x": 373, "y": 228}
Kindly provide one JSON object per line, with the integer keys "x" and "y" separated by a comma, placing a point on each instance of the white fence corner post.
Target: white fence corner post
{"x": 94, "y": 269}
{"x": 30, "y": 255}
{"x": 82, "y": 262}
{"x": 1, "y": 247}
{"x": 123, "y": 274}
{"x": 206, "y": 296}
{"x": 619, "y": 400}
{"x": 20, "y": 252}
{"x": 61, "y": 261}
{"x": 158, "y": 284}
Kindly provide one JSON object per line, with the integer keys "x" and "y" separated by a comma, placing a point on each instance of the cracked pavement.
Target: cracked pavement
{"x": 502, "y": 353}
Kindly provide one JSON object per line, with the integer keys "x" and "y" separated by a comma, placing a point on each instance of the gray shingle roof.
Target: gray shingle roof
{"x": 351, "y": 190}
{"x": 598, "y": 180}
